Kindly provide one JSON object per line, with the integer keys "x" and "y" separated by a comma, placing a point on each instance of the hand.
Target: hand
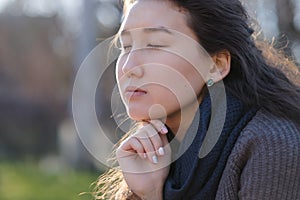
{"x": 144, "y": 158}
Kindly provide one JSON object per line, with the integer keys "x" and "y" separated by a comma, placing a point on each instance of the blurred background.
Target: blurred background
{"x": 42, "y": 45}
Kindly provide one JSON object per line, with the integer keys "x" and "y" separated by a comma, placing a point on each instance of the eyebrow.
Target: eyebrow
{"x": 149, "y": 30}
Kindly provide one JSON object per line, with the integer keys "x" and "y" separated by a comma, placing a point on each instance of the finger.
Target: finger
{"x": 165, "y": 144}
{"x": 156, "y": 141}
{"x": 164, "y": 140}
{"x": 159, "y": 126}
{"x": 149, "y": 149}
{"x": 130, "y": 146}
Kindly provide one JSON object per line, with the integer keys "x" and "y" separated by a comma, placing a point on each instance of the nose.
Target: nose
{"x": 132, "y": 65}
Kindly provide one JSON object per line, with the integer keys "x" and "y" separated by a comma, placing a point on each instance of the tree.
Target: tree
{"x": 286, "y": 10}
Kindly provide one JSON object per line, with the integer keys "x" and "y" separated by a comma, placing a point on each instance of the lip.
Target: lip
{"x": 132, "y": 92}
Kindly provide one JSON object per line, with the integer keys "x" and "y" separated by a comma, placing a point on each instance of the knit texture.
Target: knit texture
{"x": 191, "y": 177}
{"x": 257, "y": 156}
{"x": 265, "y": 161}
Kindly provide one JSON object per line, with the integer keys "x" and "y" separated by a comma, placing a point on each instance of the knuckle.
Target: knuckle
{"x": 157, "y": 124}
{"x": 157, "y": 144}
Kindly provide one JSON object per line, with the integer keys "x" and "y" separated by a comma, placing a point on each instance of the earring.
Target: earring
{"x": 210, "y": 82}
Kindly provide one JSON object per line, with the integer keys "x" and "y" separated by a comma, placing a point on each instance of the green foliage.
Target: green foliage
{"x": 27, "y": 181}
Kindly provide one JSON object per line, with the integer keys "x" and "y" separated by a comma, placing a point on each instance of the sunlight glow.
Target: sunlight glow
{"x": 4, "y": 4}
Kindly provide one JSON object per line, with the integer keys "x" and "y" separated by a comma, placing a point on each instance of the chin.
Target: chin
{"x": 144, "y": 117}
{"x": 138, "y": 117}
{"x": 139, "y": 114}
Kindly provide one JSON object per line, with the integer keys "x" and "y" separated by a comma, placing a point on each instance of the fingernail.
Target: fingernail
{"x": 161, "y": 151}
{"x": 164, "y": 130}
{"x": 145, "y": 155}
{"x": 154, "y": 159}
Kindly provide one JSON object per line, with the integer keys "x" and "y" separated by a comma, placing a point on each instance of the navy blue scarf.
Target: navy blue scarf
{"x": 191, "y": 177}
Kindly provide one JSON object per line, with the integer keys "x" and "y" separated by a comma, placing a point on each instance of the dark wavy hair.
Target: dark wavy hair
{"x": 258, "y": 75}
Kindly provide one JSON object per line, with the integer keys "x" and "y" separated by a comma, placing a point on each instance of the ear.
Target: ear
{"x": 221, "y": 67}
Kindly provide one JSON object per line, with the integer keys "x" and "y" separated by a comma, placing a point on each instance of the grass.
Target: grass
{"x": 27, "y": 181}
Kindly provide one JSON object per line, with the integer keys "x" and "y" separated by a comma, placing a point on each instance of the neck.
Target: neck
{"x": 180, "y": 121}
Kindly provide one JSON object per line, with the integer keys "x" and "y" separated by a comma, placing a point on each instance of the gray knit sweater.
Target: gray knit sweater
{"x": 265, "y": 162}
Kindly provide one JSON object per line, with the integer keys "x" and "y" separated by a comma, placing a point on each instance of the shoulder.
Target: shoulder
{"x": 268, "y": 132}
{"x": 265, "y": 161}
{"x": 266, "y": 122}
{"x": 267, "y": 136}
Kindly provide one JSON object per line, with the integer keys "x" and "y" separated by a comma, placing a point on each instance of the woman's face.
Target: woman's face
{"x": 162, "y": 68}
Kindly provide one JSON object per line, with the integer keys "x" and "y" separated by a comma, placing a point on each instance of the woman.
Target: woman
{"x": 216, "y": 119}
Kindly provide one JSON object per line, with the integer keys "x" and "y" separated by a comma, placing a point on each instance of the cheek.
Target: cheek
{"x": 188, "y": 75}
{"x": 196, "y": 82}
{"x": 171, "y": 81}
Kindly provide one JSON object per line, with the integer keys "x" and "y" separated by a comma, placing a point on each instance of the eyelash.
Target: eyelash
{"x": 155, "y": 46}
{"x": 148, "y": 45}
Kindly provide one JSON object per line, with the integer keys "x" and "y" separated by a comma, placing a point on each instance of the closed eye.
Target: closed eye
{"x": 155, "y": 46}
{"x": 126, "y": 48}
